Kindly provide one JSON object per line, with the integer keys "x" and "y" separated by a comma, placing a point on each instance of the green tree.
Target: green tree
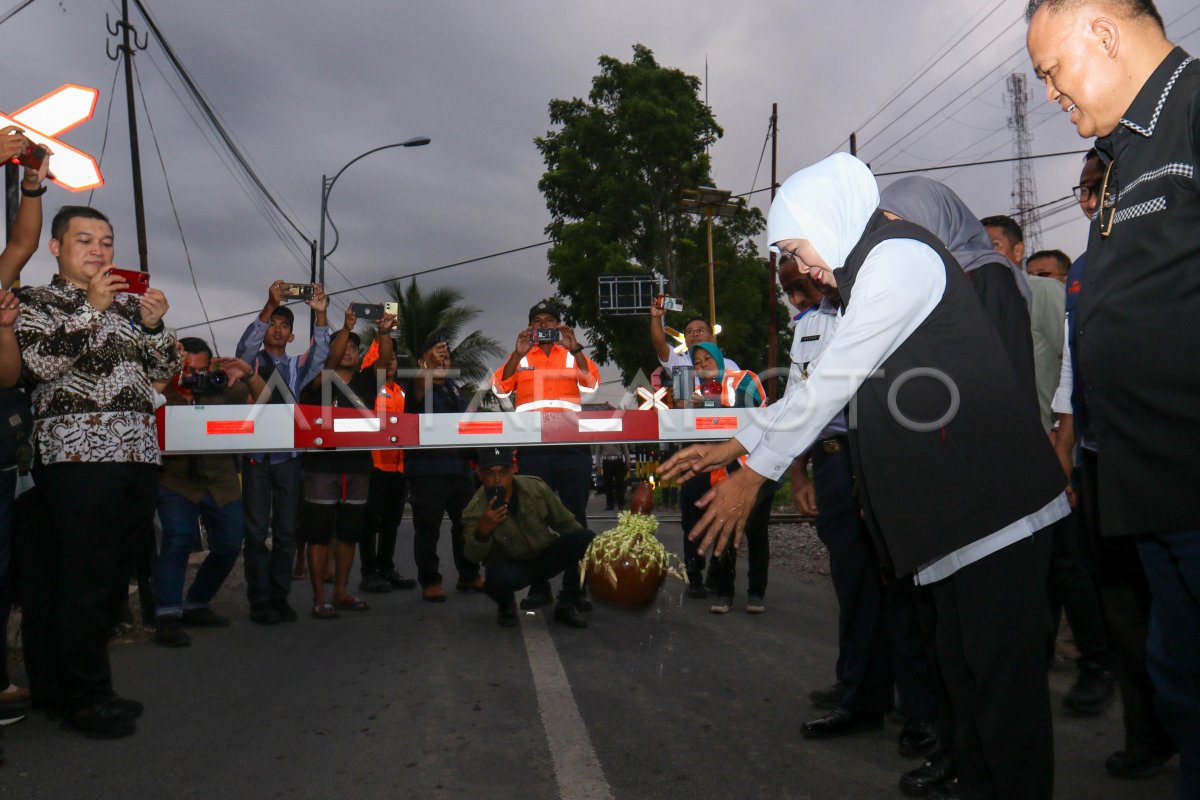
{"x": 617, "y": 165}
{"x": 421, "y": 314}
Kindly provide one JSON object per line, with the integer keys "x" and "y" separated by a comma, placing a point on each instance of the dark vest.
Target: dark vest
{"x": 265, "y": 367}
{"x": 933, "y": 479}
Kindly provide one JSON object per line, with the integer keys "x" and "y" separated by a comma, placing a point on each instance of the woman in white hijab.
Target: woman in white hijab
{"x": 962, "y": 502}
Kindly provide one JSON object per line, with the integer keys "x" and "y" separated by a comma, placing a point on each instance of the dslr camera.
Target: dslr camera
{"x": 205, "y": 381}
{"x": 543, "y": 335}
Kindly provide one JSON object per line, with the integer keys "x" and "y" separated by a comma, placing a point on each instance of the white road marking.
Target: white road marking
{"x": 576, "y": 768}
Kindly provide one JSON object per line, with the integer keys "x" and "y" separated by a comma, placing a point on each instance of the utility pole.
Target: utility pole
{"x": 772, "y": 293}
{"x": 1024, "y": 191}
{"x": 125, "y": 51}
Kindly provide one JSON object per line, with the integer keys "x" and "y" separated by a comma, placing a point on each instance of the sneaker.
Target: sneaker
{"x": 398, "y": 581}
{"x": 537, "y": 597}
{"x": 755, "y": 605}
{"x": 14, "y": 704}
{"x": 204, "y": 617}
{"x": 286, "y": 613}
{"x": 721, "y": 605}
{"x": 1091, "y": 693}
{"x": 506, "y": 614}
{"x": 169, "y": 632}
{"x": 375, "y": 584}
{"x": 473, "y": 585}
{"x": 433, "y": 593}
{"x": 264, "y": 614}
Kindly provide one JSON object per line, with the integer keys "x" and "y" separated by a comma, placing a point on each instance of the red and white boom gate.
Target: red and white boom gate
{"x": 274, "y": 427}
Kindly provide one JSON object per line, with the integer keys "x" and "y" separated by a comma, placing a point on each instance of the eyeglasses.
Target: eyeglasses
{"x": 695, "y": 331}
{"x": 1085, "y": 193}
{"x": 1108, "y": 199}
{"x": 788, "y": 255}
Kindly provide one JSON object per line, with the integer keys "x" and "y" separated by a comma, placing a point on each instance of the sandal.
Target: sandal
{"x": 351, "y": 603}
{"x": 324, "y": 611}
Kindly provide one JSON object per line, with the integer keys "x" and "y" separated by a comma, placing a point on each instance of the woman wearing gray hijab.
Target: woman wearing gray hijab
{"x": 1001, "y": 287}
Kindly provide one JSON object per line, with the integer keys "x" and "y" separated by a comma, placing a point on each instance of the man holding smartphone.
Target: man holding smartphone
{"x": 524, "y": 535}
{"x": 548, "y": 371}
{"x": 92, "y": 352}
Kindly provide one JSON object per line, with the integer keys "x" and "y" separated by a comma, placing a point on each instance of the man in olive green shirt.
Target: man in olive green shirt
{"x": 516, "y": 526}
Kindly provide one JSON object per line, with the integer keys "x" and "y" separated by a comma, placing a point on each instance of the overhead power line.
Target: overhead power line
{"x": 391, "y": 280}
{"x": 978, "y": 163}
{"x": 13, "y": 11}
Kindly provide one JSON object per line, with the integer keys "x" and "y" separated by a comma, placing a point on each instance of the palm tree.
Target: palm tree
{"x": 422, "y": 314}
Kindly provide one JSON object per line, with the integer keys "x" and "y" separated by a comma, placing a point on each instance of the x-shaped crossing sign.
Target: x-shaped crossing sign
{"x": 46, "y": 118}
{"x": 650, "y": 401}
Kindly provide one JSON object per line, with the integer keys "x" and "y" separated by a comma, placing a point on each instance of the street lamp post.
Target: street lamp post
{"x": 327, "y": 186}
{"x": 711, "y": 203}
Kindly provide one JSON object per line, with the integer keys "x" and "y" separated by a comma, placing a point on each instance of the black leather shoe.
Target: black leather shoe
{"x": 940, "y": 768}
{"x": 1091, "y": 693}
{"x": 131, "y": 707}
{"x": 263, "y": 614}
{"x": 398, "y": 581}
{"x": 506, "y": 615}
{"x": 375, "y": 585}
{"x": 102, "y": 721}
{"x": 204, "y": 617}
{"x": 1136, "y": 764}
{"x": 830, "y": 698}
{"x": 169, "y": 632}
{"x": 841, "y": 722}
{"x": 569, "y": 615}
{"x": 947, "y": 791}
{"x": 286, "y": 613}
{"x": 918, "y": 739}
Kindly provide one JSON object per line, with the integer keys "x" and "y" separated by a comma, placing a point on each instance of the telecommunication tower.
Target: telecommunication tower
{"x": 1024, "y": 191}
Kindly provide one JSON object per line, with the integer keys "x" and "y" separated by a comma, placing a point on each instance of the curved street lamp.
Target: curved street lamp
{"x": 327, "y": 186}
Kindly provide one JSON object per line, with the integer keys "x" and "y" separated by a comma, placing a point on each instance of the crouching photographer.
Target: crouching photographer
{"x": 518, "y": 528}
{"x": 192, "y": 488}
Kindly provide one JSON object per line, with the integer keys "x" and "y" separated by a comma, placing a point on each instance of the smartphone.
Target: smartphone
{"x": 138, "y": 282}
{"x": 368, "y": 311}
{"x": 667, "y": 303}
{"x": 300, "y": 291}
{"x": 392, "y": 308}
{"x": 495, "y": 496}
{"x": 33, "y": 157}
{"x": 541, "y": 335}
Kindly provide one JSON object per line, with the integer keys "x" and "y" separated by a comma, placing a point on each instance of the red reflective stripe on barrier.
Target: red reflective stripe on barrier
{"x": 218, "y": 427}
{"x": 477, "y": 427}
{"x": 716, "y": 423}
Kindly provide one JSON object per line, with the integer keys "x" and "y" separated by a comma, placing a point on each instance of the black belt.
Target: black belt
{"x": 834, "y": 444}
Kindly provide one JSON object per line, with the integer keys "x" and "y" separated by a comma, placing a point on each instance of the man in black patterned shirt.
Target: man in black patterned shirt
{"x": 91, "y": 352}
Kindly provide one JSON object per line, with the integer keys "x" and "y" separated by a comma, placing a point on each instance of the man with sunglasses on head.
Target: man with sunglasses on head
{"x": 1109, "y": 64}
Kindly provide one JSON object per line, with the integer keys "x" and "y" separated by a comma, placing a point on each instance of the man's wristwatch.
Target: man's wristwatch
{"x": 38, "y": 192}
{"x": 577, "y": 350}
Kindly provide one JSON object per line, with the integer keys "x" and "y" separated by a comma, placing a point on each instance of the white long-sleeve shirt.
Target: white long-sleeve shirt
{"x": 898, "y": 286}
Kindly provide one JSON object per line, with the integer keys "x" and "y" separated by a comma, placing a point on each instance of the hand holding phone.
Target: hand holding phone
{"x": 139, "y": 282}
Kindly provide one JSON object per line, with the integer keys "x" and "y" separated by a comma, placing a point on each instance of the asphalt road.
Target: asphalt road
{"x": 437, "y": 701}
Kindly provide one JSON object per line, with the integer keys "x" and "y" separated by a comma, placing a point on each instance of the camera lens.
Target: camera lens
{"x": 218, "y": 378}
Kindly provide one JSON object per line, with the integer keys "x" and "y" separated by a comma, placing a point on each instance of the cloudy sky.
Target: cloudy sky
{"x": 305, "y": 86}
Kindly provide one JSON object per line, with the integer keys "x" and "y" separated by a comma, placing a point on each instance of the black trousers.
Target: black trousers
{"x": 385, "y": 509}
{"x": 863, "y": 665}
{"x": 434, "y": 497}
{"x": 722, "y": 570}
{"x": 568, "y": 471}
{"x": 689, "y": 492}
{"x": 1073, "y": 591}
{"x": 614, "y": 471}
{"x": 560, "y": 556}
{"x": 97, "y": 516}
{"x": 1125, "y": 595}
{"x": 991, "y": 645}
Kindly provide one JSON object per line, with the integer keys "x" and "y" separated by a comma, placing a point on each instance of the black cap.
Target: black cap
{"x": 546, "y": 307}
{"x": 433, "y": 340}
{"x": 487, "y": 457}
